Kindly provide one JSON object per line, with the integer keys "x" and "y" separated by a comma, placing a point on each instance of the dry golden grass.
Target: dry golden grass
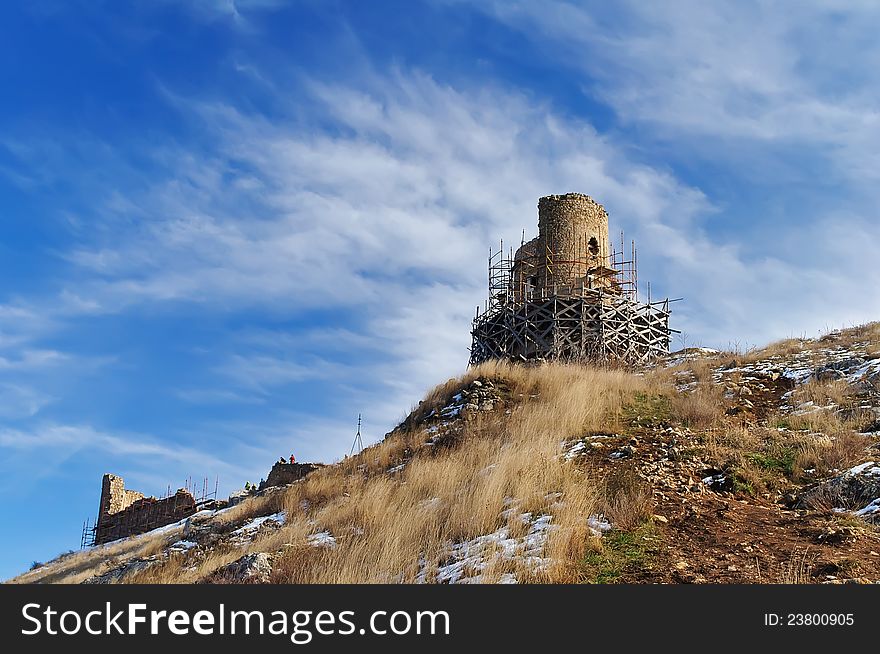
{"x": 823, "y": 393}
{"x": 867, "y": 335}
{"x": 834, "y": 409}
{"x": 253, "y": 506}
{"x": 783, "y": 348}
{"x": 77, "y": 567}
{"x": 827, "y": 454}
{"x": 798, "y": 569}
{"x": 627, "y": 499}
{"x": 385, "y": 524}
{"x": 701, "y": 408}
{"x": 490, "y": 469}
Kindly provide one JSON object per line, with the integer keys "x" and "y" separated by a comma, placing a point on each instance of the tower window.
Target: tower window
{"x": 593, "y": 246}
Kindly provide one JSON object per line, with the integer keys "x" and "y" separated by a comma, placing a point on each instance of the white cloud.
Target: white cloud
{"x": 385, "y": 220}
{"x": 52, "y": 445}
{"x": 21, "y": 401}
{"x": 76, "y": 437}
{"x": 29, "y": 359}
{"x": 724, "y": 76}
{"x": 373, "y": 203}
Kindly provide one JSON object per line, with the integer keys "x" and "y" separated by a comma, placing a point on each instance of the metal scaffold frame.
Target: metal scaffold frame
{"x": 152, "y": 510}
{"x": 581, "y": 308}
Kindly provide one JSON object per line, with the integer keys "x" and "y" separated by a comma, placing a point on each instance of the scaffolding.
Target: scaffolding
{"x": 150, "y": 512}
{"x": 543, "y": 306}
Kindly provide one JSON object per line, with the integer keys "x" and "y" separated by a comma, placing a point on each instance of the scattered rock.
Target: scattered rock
{"x": 254, "y": 568}
{"x": 128, "y": 568}
{"x": 854, "y": 490}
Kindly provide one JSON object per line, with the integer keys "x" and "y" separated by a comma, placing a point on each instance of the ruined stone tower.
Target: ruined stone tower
{"x": 568, "y": 294}
{"x": 572, "y": 243}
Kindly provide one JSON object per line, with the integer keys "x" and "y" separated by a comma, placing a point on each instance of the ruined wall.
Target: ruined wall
{"x": 114, "y": 496}
{"x": 125, "y": 512}
{"x": 572, "y": 242}
{"x": 287, "y": 473}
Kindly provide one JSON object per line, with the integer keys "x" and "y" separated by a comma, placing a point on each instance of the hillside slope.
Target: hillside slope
{"x": 709, "y": 468}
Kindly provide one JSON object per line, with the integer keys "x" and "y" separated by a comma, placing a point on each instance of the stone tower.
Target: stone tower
{"x": 567, "y": 295}
{"x": 571, "y": 249}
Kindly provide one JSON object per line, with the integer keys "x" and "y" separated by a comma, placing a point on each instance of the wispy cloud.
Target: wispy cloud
{"x": 21, "y": 401}
{"x": 261, "y": 265}
{"x": 722, "y": 75}
{"x": 238, "y": 13}
{"x": 30, "y": 359}
{"x": 383, "y": 221}
{"x": 53, "y": 444}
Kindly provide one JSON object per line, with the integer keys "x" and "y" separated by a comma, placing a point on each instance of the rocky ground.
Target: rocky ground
{"x": 202, "y": 535}
{"x": 710, "y": 524}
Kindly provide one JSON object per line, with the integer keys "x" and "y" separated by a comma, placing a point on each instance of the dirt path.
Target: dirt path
{"x": 711, "y": 539}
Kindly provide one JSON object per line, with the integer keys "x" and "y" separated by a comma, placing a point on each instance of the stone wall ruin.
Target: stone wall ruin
{"x": 124, "y": 512}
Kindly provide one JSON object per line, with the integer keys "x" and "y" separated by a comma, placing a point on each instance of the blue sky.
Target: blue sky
{"x": 228, "y": 227}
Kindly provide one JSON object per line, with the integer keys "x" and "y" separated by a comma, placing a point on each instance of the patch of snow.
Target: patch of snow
{"x": 256, "y": 523}
{"x": 868, "y": 468}
{"x": 322, "y": 539}
{"x": 475, "y": 555}
{"x": 870, "y": 509}
{"x": 598, "y": 525}
{"x": 160, "y": 530}
{"x": 183, "y": 545}
{"x": 689, "y": 354}
{"x": 575, "y": 450}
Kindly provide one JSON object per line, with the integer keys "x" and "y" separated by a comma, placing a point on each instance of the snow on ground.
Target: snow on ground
{"x": 468, "y": 560}
{"x": 252, "y": 526}
{"x": 847, "y": 363}
{"x": 453, "y": 409}
{"x": 183, "y": 545}
{"x": 870, "y": 509}
{"x": 574, "y": 449}
{"x": 322, "y": 539}
{"x": 689, "y": 354}
{"x": 159, "y": 530}
{"x": 867, "y": 468}
{"x": 598, "y": 525}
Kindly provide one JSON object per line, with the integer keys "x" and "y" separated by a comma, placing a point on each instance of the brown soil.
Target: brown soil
{"x": 719, "y": 536}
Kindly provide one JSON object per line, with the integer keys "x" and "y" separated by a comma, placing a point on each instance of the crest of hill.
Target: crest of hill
{"x": 709, "y": 467}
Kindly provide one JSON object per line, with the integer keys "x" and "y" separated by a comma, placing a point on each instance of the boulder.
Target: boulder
{"x": 853, "y": 490}
{"x": 254, "y": 568}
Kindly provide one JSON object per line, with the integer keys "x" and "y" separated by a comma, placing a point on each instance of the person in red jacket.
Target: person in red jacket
{"x": 292, "y": 459}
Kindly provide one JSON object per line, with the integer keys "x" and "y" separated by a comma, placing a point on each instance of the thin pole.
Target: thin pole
{"x": 358, "y": 442}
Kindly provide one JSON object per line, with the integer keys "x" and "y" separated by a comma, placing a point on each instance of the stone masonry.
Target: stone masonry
{"x": 287, "y": 473}
{"x": 125, "y": 512}
{"x": 572, "y": 241}
{"x": 566, "y": 295}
